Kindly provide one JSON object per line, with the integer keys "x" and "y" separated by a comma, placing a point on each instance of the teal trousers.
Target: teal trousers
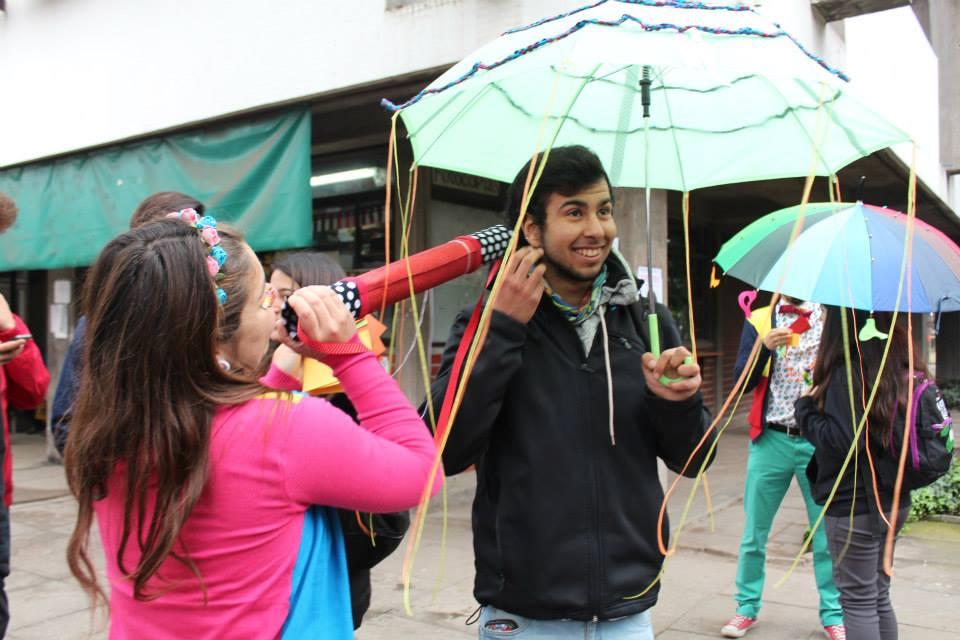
{"x": 775, "y": 459}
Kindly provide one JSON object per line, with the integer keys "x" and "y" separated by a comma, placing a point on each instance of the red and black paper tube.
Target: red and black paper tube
{"x": 369, "y": 292}
{"x": 365, "y": 293}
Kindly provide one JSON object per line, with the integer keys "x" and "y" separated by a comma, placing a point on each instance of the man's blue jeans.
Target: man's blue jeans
{"x": 496, "y": 624}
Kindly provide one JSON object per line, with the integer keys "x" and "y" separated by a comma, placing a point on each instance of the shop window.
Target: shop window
{"x": 348, "y": 207}
{"x": 353, "y": 228}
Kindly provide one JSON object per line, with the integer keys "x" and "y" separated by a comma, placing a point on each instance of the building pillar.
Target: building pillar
{"x": 60, "y": 300}
{"x": 948, "y": 348}
{"x": 940, "y": 20}
{"x": 630, "y": 215}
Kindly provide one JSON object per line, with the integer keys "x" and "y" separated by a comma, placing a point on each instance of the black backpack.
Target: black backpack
{"x": 930, "y": 451}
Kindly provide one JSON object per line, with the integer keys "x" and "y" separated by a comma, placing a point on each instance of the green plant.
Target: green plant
{"x": 941, "y": 497}
{"x": 951, "y": 393}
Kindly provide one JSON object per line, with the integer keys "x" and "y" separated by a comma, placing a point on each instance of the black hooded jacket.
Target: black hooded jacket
{"x": 831, "y": 430}
{"x": 564, "y": 522}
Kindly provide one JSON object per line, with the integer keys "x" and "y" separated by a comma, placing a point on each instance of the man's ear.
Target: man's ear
{"x": 531, "y": 232}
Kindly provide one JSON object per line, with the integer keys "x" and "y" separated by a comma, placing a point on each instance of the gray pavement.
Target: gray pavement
{"x": 696, "y": 599}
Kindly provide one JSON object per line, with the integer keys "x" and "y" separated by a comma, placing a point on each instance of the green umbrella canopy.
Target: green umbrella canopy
{"x": 733, "y": 98}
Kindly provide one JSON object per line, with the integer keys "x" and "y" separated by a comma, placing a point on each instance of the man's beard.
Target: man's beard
{"x": 567, "y": 273}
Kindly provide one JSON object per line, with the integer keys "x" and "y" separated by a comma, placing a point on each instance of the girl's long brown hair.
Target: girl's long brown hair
{"x": 865, "y": 356}
{"x": 149, "y": 385}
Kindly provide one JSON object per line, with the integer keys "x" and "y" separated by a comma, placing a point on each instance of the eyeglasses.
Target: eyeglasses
{"x": 269, "y": 297}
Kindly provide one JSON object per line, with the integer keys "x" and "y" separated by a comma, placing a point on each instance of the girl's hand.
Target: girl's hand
{"x": 323, "y": 318}
{"x": 288, "y": 361}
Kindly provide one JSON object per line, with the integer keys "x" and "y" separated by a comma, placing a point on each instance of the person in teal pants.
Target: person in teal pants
{"x": 778, "y": 453}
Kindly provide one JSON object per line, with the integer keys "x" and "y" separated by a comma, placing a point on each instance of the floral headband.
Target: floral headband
{"x": 207, "y": 226}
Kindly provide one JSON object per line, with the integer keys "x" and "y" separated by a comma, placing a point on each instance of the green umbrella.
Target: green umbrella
{"x": 670, "y": 94}
{"x": 733, "y": 98}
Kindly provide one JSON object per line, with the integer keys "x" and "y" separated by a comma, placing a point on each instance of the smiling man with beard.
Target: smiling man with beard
{"x": 565, "y": 417}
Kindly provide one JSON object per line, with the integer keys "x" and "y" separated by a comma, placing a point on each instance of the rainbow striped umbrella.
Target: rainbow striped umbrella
{"x": 847, "y": 254}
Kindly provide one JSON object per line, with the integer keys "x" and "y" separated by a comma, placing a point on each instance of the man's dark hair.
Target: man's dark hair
{"x": 569, "y": 170}
{"x": 8, "y": 212}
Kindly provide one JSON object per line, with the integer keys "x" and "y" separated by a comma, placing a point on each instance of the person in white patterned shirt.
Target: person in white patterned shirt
{"x": 790, "y": 337}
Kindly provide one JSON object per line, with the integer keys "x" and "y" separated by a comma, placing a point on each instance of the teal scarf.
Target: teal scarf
{"x": 577, "y": 315}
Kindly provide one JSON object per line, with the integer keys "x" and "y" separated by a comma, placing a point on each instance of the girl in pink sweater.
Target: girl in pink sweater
{"x": 200, "y": 478}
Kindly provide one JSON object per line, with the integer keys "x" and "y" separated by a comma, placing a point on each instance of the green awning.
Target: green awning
{"x": 255, "y": 175}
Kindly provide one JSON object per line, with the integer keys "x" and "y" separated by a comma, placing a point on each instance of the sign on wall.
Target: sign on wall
{"x": 465, "y": 189}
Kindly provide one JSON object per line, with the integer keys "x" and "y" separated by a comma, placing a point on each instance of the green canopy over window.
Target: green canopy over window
{"x": 254, "y": 175}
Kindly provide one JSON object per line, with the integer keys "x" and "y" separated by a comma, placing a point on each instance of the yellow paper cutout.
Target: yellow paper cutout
{"x": 714, "y": 280}
{"x": 318, "y": 378}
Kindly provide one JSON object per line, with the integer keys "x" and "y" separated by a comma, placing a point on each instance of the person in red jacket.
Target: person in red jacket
{"x": 23, "y": 384}
{"x": 23, "y": 380}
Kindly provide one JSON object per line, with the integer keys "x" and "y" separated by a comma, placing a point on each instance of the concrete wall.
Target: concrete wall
{"x": 953, "y": 190}
{"x": 57, "y": 342}
{"x": 80, "y": 73}
{"x": 808, "y": 26}
{"x": 631, "y": 221}
{"x": 88, "y": 72}
{"x": 940, "y": 20}
{"x": 894, "y": 68}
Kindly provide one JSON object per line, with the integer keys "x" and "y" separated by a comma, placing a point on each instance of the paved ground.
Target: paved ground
{"x": 696, "y": 599}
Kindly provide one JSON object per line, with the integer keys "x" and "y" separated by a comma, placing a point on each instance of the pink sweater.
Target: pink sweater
{"x": 270, "y": 459}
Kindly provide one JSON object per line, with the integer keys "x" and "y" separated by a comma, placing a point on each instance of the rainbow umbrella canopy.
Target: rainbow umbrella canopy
{"x": 670, "y": 94}
{"x": 847, "y": 254}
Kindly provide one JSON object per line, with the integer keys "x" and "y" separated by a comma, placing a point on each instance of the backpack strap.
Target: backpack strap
{"x": 909, "y": 431}
{"x": 640, "y": 311}
{"x": 917, "y": 392}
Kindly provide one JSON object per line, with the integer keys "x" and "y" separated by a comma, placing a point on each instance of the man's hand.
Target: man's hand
{"x": 776, "y": 338}
{"x": 11, "y": 349}
{"x": 522, "y": 285}
{"x": 671, "y": 363}
{"x": 6, "y": 316}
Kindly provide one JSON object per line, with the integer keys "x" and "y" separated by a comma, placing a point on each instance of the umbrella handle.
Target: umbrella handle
{"x": 653, "y": 324}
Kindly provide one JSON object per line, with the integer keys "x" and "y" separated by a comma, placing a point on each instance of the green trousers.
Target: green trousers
{"x": 776, "y": 458}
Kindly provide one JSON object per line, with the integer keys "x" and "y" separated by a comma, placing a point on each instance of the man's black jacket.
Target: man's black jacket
{"x": 564, "y": 522}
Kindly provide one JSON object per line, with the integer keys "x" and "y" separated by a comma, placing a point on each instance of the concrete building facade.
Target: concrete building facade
{"x": 89, "y": 76}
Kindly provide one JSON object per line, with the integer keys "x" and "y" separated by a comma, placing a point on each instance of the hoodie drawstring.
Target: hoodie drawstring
{"x": 606, "y": 364}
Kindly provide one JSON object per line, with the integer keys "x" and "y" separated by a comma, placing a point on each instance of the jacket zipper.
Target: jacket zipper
{"x": 596, "y": 574}
{"x": 594, "y": 577}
